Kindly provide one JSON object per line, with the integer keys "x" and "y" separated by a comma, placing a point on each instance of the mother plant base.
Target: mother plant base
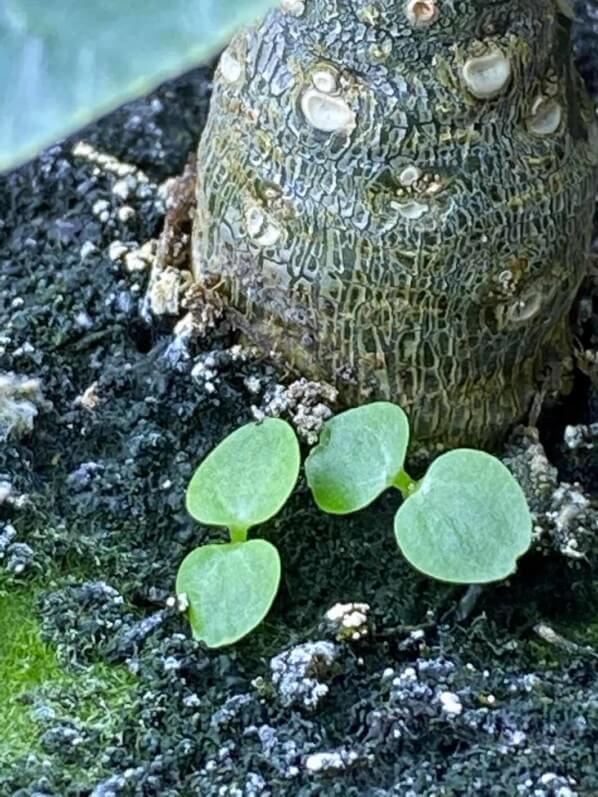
{"x": 397, "y": 197}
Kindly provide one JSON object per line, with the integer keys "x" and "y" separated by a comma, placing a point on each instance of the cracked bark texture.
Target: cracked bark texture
{"x": 396, "y": 198}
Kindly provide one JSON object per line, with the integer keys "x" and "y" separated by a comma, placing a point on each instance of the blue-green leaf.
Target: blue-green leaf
{"x": 63, "y": 63}
{"x": 360, "y": 454}
{"x": 247, "y": 478}
{"x": 229, "y": 588}
{"x": 468, "y": 522}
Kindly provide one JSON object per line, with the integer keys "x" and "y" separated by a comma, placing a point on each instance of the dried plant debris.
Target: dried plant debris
{"x": 348, "y": 621}
{"x": 299, "y": 675}
{"x": 21, "y": 399}
{"x": 565, "y": 517}
{"x": 307, "y": 405}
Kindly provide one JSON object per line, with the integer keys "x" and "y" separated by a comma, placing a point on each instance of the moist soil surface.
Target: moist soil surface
{"x": 106, "y": 408}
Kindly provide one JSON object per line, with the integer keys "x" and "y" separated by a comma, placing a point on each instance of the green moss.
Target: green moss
{"x": 30, "y": 669}
{"x": 26, "y": 662}
{"x": 102, "y": 693}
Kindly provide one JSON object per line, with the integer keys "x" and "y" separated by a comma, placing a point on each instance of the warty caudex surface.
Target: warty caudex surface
{"x": 396, "y": 197}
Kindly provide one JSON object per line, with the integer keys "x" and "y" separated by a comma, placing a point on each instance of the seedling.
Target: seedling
{"x": 467, "y": 520}
{"x": 244, "y": 481}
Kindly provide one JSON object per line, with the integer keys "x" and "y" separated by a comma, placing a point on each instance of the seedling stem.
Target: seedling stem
{"x": 405, "y": 484}
{"x": 238, "y": 535}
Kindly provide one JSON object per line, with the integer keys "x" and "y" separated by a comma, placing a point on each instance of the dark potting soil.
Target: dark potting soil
{"x": 105, "y": 411}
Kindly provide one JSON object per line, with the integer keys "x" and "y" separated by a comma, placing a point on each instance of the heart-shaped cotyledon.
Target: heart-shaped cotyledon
{"x": 396, "y": 197}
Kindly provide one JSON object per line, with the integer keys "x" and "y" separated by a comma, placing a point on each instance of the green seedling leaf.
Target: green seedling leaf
{"x": 247, "y": 478}
{"x": 65, "y": 63}
{"x": 468, "y": 522}
{"x": 230, "y": 589}
{"x": 360, "y": 454}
